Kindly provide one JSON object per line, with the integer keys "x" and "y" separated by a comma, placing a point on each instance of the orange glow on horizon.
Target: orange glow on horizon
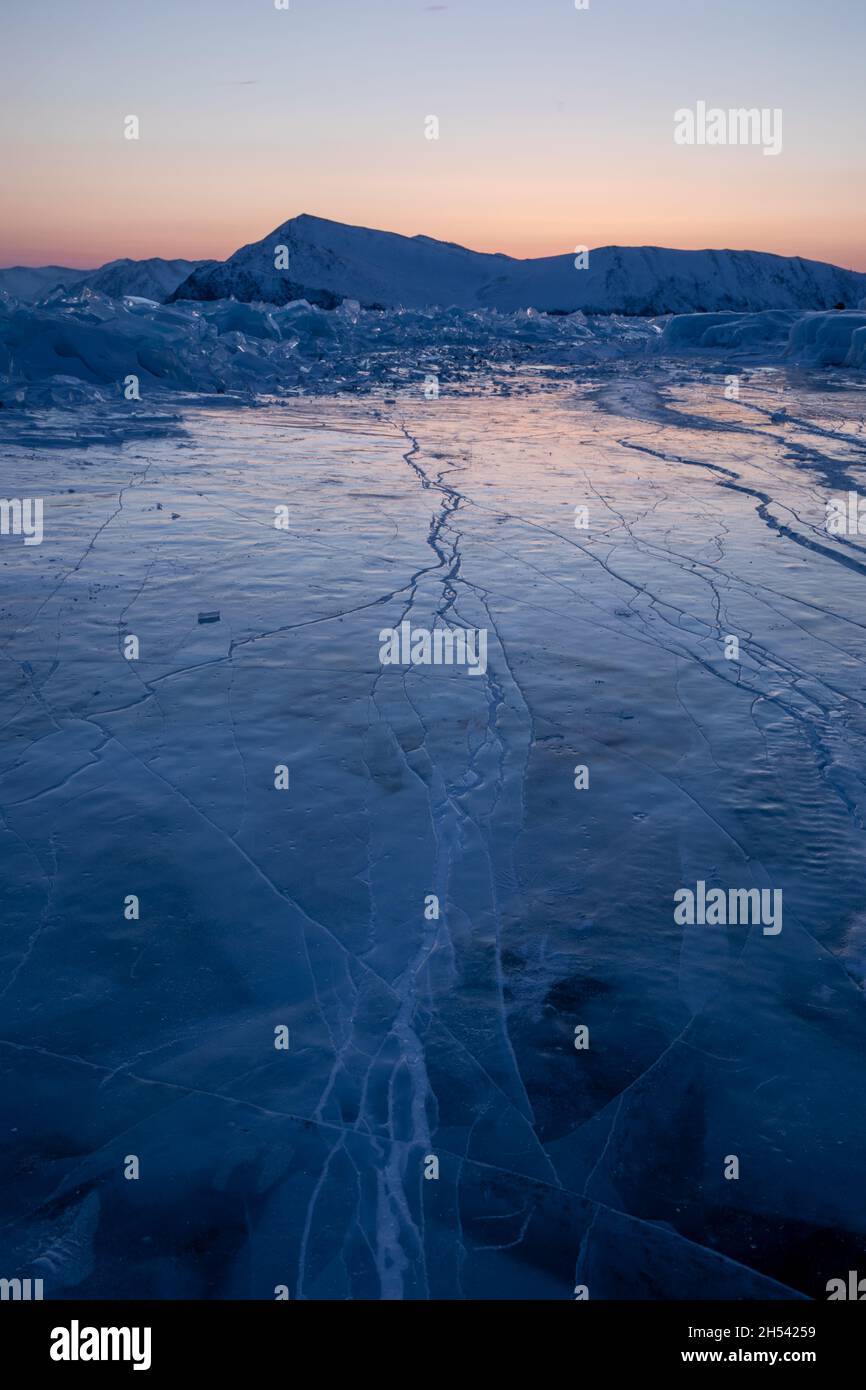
{"x": 148, "y": 209}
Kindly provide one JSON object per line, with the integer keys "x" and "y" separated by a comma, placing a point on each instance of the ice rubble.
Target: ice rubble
{"x": 835, "y": 339}
{"x": 86, "y": 344}
{"x": 690, "y": 332}
{"x": 830, "y": 340}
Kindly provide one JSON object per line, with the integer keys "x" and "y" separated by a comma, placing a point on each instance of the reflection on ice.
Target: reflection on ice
{"x": 431, "y": 905}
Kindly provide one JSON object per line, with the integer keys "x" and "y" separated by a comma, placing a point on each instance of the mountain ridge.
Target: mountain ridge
{"x": 153, "y": 277}
{"x": 331, "y": 261}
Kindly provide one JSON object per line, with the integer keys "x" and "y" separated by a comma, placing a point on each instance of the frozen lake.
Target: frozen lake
{"x": 146, "y": 753}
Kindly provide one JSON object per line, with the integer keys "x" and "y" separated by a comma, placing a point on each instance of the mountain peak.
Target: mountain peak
{"x": 331, "y": 261}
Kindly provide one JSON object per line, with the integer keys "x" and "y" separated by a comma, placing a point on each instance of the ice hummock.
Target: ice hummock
{"x": 263, "y": 349}
{"x": 830, "y": 340}
{"x": 87, "y": 346}
{"x": 836, "y": 339}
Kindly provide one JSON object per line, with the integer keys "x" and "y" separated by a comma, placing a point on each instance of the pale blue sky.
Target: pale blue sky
{"x": 555, "y": 124}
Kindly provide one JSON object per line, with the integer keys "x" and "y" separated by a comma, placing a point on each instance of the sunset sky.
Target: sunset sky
{"x": 556, "y": 124}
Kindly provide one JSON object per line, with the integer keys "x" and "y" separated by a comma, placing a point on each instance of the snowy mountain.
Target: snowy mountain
{"x": 30, "y": 283}
{"x": 154, "y": 278}
{"x": 327, "y": 262}
{"x": 330, "y": 261}
{"x": 656, "y": 280}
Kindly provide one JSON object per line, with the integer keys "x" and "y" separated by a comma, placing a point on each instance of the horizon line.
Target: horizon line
{"x": 440, "y": 241}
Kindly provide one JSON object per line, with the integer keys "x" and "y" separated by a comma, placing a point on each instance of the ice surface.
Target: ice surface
{"x": 304, "y": 907}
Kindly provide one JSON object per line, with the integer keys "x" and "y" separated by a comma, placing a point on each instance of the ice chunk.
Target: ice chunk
{"x": 830, "y": 340}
